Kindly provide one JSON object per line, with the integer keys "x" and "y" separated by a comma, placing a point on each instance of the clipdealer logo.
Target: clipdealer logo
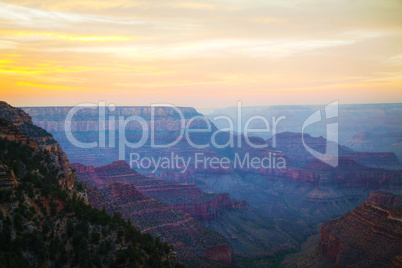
{"x": 331, "y": 152}
{"x": 110, "y": 125}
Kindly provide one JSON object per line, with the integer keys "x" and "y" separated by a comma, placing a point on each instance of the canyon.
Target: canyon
{"x": 377, "y": 142}
{"x": 185, "y": 197}
{"x": 368, "y": 236}
{"x": 191, "y": 240}
{"x": 382, "y": 120}
{"x": 45, "y": 220}
{"x": 277, "y": 208}
{"x": 246, "y": 232}
{"x": 291, "y": 144}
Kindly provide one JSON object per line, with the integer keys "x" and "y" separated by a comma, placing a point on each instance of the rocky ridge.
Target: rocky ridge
{"x": 185, "y": 197}
{"x": 44, "y": 218}
{"x": 161, "y": 220}
{"x": 368, "y": 236}
{"x": 31, "y": 134}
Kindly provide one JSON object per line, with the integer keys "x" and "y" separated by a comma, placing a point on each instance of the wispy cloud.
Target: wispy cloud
{"x": 190, "y": 50}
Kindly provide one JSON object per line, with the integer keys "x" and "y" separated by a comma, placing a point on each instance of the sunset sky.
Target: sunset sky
{"x": 204, "y": 54}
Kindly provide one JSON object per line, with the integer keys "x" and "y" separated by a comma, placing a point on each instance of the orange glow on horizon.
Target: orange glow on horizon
{"x": 200, "y": 53}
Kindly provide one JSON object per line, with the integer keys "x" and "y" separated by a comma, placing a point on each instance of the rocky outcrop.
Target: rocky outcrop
{"x": 35, "y": 137}
{"x": 250, "y": 234}
{"x": 86, "y": 126}
{"x": 62, "y": 163}
{"x": 330, "y": 245}
{"x": 138, "y": 198}
{"x": 221, "y": 254}
{"x": 376, "y": 160}
{"x": 185, "y": 197}
{"x": 160, "y": 219}
{"x": 368, "y": 236}
{"x": 44, "y": 225}
{"x": 11, "y": 132}
{"x": 7, "y": 178}
{"x": 117, "y": 171}
{"x": 52, "y": 118}
{"x": 348, "y": 173}
{"x": 16, "y": 115}
{"x": 208, "y": 210}
{"x": 377, "y": 142}
{"x": 81, "y": 168}
{"x": 314, "y": 192}
{"x": 386, "y": 199}
{"x": 292, "y": 145}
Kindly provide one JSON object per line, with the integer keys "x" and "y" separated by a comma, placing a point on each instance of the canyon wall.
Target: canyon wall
{"x": 185, "y": 197}
{"x": 368, "y": 236}
{"x": 38, "y": 138}
{"x": 291, "y": 144}
{"x": 306, "y": 189}
{"x": 247, "y": 233}
{"x": 162, "y": 220}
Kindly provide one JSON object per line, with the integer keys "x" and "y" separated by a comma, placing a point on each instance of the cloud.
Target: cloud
{"x": 13, "y": 16}
{"x": 193, "y": 50}
{"x": 67, "y": 37}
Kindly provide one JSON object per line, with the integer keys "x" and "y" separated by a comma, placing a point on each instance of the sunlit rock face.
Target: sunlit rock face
{"x": 7, "y": 178}
{"x": 24, "y": 131}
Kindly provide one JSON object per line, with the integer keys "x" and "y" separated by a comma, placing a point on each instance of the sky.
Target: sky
{"x": 204, "y": 54}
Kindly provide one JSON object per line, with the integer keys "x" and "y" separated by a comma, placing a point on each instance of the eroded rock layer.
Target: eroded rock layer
{"x": 368, "y": 236}
{"x": 35, "y": 137}
{"x": 160, "y": 219}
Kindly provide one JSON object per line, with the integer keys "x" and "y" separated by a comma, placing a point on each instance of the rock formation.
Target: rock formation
{"x": 306, "y": 192}
{"x": 291, "y": 144}
{"x": 377, "y": 142}
{"x": 45, "y": 222}
{"x": 249, "y": 234}
{"x": 7, "y": 178}
{"x": 185, "y": 197}
{"x": 368, "y": 236}
{"x": 31, "y": 134}
{"x": 160, "y": 219}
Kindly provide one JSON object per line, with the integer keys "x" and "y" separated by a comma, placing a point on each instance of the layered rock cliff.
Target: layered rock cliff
{"x": 292, "y": 145}
{"x": 7, "y": 178}
{"x": 378, "y": 142}
{"x": 312, "y": 193}
{"x": 262, "y": 188}
{"x": 11, "y": 132}
{"x": 53, "y": 118}
{"x": 368, "y": 236}
{"x": 247, "y": 233}
{"x": 45, "y": 223}
{"x": 185, "y": 197}
{"x": 387, "y": 160}
{"x": 36, "y": 137}
{"x": 161, "y": 220}
{"x": 386, "y": 199}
